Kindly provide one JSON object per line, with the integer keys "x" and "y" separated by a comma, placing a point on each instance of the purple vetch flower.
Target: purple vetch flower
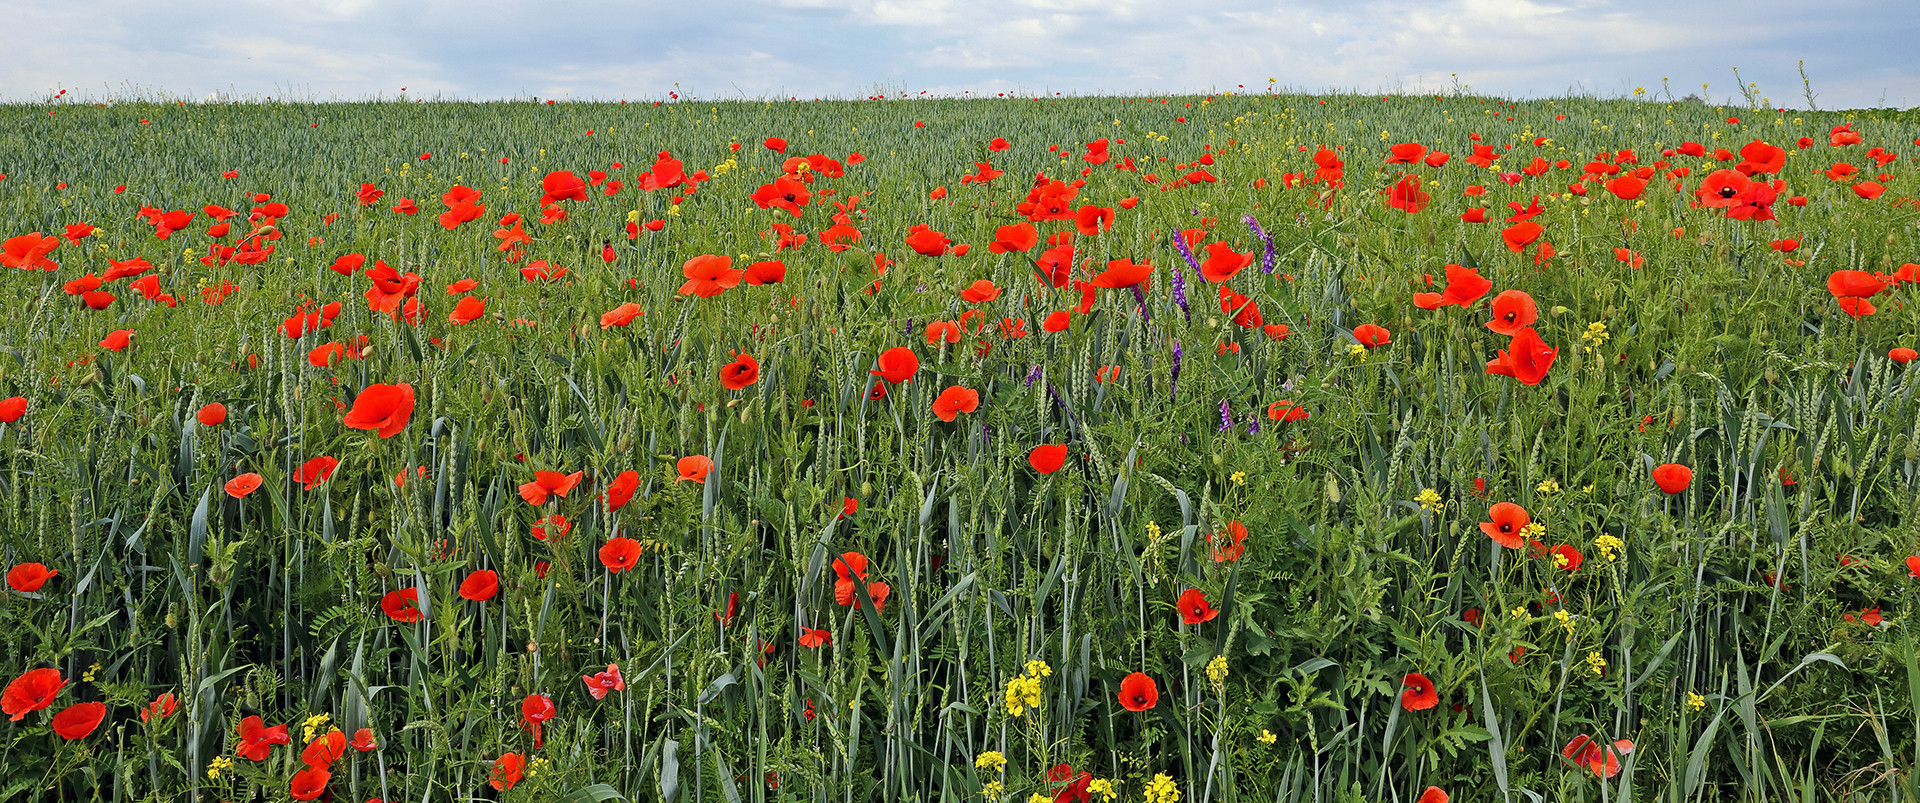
{"x": 1173, "y": 379}
{"x": 1141, "y": 296}
{"x": 1226, "y": 416}
{"x": 1179, "y": 285}
{"x": 1253, "y": 422}
{"x": 1271, "y": 257}
{"x": 1034, "y": 375}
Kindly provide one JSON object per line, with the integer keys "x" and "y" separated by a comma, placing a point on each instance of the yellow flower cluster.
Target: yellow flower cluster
{"x": 1217, "y": 669}
{"x": 1534, "y": 530}
{"x": 1023, "y": 692}
{"x": 1695, "y": 701}
{"x": 1238, "y": 478}
{"x": 1565, "y": 619}
{"x": 312, "y": 726}
{"x": 1609, "y": 547}
{"x": 1161, "y": 790}
{"x": 1596, "y": 663}
{"x": 1267, "y": 737}
{"x": 1429, "y": 500}
{"x": 992, "y": 790}
{"x": 991, "y": 761}
{"x": 1547, "y": 488}
{"x": 219, "y": 765}
{"x": 1103, "y": 788}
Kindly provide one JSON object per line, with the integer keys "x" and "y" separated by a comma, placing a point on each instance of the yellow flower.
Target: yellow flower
{"x": 1429, "y": 500}
{"x": 991, "y": 760}
{"x": 1533, "y": 530}
{"x": 218, "y": 765}
{"x": 1038, "y": 798}
{"x": 1609, "y": 547}
{"x": 1565, "y": 619}
{"x": 1103, "y": 788}
{"x": 1161, "y": 790}
{"x": 1547, "y": 488}
{"x": 1217, "y": 669}
{"x": 1267, "y": 737}
{"x": 1238, "y": 478}
{"x": 1596, "y": 663}
{"x": 992, "y": 790}
{"x": 312, "y": 726}
{"x": 87, "y": 677}
{"x": 1695, "y": 701}
{"x": 1038, "y": 669}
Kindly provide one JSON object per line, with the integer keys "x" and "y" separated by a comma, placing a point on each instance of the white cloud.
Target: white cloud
{"x": 755, "y": 48}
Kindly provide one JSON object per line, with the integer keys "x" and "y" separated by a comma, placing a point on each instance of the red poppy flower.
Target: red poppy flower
{"x": 1371, "y": 335}
{"x": 695, "y": 468}
{"x": 1048, "y": 457}
{"x": 599, "y": 683}
{"x": 1420, "y": 694}
{"x": 1626, "y": 187}
{"x": 1194, "y": 608}
{"x": 1019, "y": 237}
{"x": 212, "y": 415}
{"x": 325, "y": 749}
{"x": 400, "y": 605}
{"x": 897, "y": 364}
{"x": 1856, "y": 307}
{"x": 536, "y": 709}
{"x": 1854, "y": 284}
{"x": 1433, "y": 794}
{"x": 309, "y": 783}
{"x": 1057, "y": 321}
{"x": 1513, "y": 310}
{"x": 1223, "y": 262}
{"x": 557, "y": 522}
{"x": 1406, "y": 195}
{"x": 709, "y": 275}
{"x": 1602, "y": 760}
{"x": 162, "y": 706}
{"x": 480, "y": 585}
{"x": 1520, "y": 235}
{"x": 31, "y": 691}
{"x": 1138, "y": 692}
{"x": 363, "y": 740}
{"x": 1509, "y": 520}
{"x": 467, "y": 311}
{"x": 621, "y": 315}
{"x": 998, "y": 144}
{"x": 1286, "y": 410}
{"x": 27, "y": 578}
{"x": 1902, "y": 355}
{"x": 382, "y": 407}
{"x": 507, "y": 770}
{"x": 1090, "y": 220}
{"x": 1126, "y": 273}
{"x": 1229, "y": 545}
{"x": 1406, "y": 153}
{"x": 740, "y": 373}
{"x": 240, "y": 486}
{"x": 29, "y": 251}
{"x": 257, "y": 740}
{"x": 981, "y": 291}
{"x": 927, "y": 242}
{"x": 1566, "y": 557}
{"x": 1672, "y": 477}
{"x": 771, "y": 271}
{"x": 810, "y": 637}
{"x": 549, "y": 482}
{"x": 1464, "y": 287}
{"x": 954, "y": 401}
{"x": 1526, "y": 358}
{"x": 619, "y": 554}
{"x": 620, "y": 491}
{"x": 315, "y": 471}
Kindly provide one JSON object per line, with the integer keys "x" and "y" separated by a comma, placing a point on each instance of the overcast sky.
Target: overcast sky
{"x": 1858, "y": 52}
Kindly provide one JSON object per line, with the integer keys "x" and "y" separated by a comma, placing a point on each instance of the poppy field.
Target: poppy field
{"x": 1225, "y": 447}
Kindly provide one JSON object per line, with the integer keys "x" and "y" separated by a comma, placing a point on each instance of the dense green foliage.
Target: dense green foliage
{"x": 1717, "y": 352}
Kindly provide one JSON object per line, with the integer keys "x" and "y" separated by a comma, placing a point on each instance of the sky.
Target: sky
{"x": 1857, "y": 53}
